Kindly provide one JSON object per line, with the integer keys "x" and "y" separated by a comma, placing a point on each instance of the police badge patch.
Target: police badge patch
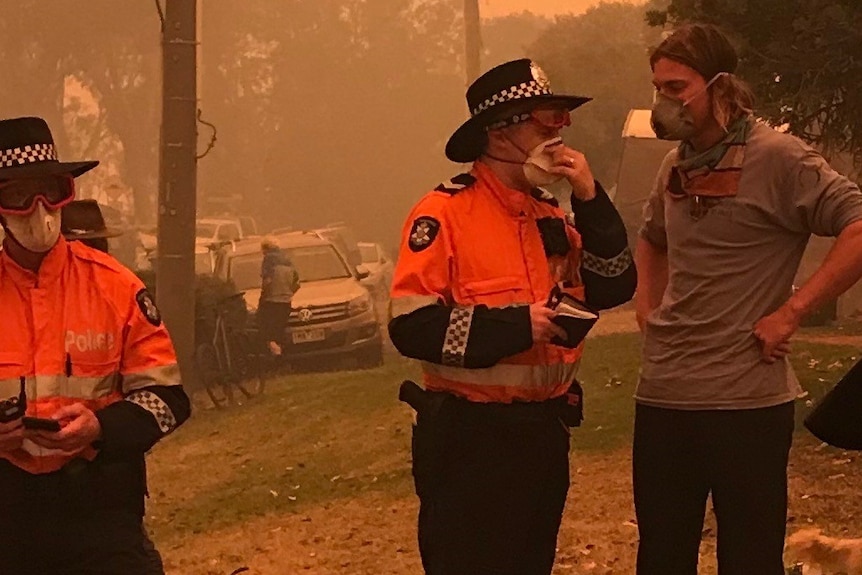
{"x": 422, "y": 233}
{"x": 539, "y": 76}
{"x": 148, "y": 307}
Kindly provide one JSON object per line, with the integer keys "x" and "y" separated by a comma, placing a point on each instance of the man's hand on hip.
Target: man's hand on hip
{"x": 540, "y": 321}
{"x": 81, "y": 429}
{"x": 774, "y": 332}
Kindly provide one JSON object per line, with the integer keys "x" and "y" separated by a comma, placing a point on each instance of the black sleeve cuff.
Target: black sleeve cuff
{"x": 130, "y": 429}
{"x": 420, "y": 333}
{"x": 602, "y": 230}
{"x": 471, "y": 337}
{"x": 497, "y": 333}
{"x": 603, "y": 292}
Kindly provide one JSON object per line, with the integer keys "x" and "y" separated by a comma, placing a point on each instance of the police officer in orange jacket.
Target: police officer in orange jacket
{"x": 479, "y": 258}
{"x": 83, "y": 350}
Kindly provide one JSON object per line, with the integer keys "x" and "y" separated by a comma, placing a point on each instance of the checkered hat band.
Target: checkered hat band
{"x": 523, "y": 90}
{"x": 29, "y": 154}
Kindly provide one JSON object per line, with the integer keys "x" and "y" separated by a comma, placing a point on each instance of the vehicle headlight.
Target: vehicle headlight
{"x": 359, "y": 305}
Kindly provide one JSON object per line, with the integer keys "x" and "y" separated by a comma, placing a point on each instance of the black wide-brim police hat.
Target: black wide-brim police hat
{"x": 83, "y": 220}
{"x": 27, "y": 150}
{"x": 836, "y": 418}
{"x": 509, "y": 86}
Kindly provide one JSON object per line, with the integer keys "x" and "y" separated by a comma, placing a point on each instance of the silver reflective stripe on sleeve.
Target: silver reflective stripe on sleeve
{"x": 164, "y": 375}
{"x": 404, "y": 305}
{"x": 609, "y": 268}
{"x": 455, "y": 342}
{"x": 158, "y": 408}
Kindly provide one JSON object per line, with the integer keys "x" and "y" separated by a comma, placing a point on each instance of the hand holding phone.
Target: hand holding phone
{"x": 41, "y": 423}
{"x": 79, "y": 429}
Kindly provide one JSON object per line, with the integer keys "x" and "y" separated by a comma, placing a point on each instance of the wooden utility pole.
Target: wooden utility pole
{"x": 472, "y": 39}
{"x": 175, "y": 271}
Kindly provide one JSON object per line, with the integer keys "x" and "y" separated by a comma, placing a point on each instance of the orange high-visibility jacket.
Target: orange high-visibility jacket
{"x": 486, "y": 248}
{"x": 81, "y": 330}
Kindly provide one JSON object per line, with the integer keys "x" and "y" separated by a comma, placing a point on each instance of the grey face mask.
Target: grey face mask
{"x": 671, "y": 119}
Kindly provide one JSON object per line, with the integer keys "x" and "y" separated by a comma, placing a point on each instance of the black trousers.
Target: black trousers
{"x": 492, "y": 491}
{"x": 273, "y": 318}
{"x": 85, "y": 519}
{"x": 103, "y": 543}
{"x": 739, "y": 456}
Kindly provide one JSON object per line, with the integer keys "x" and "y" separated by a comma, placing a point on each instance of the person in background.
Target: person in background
{"x": 82, "y": 221}
{"x": 279, "y": 281}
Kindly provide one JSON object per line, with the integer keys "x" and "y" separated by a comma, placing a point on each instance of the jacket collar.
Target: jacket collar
{"x": 50, "y": 271}
{"x": 513, "y": 201}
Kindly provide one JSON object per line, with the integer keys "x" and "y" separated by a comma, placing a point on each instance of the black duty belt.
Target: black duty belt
{"x": 428, "y": 404}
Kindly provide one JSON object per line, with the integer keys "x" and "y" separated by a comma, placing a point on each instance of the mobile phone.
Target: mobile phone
{"x": 41, "y": 424}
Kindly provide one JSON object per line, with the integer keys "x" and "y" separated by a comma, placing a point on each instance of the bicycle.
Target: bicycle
{"x": 230, "y": 361}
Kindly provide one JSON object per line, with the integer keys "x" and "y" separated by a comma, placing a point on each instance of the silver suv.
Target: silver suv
{"x": 333, "y": 316}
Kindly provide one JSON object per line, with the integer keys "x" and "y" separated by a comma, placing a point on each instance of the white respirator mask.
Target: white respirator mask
{"x": 38, "y": 231}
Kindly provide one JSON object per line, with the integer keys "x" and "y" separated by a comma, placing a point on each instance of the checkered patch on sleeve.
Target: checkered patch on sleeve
{"x": 455, "y": 343}
{"x": 609, "y": 268}
{"x": 158, "y": 408}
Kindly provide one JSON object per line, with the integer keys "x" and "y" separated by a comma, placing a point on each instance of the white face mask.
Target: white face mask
{"x": 37, "y": 232}
{"x": 539, "y": 161}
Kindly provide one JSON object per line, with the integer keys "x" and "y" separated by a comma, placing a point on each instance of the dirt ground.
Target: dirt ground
{"x": 375, "y": 535}
{"x": 374, "y": 532}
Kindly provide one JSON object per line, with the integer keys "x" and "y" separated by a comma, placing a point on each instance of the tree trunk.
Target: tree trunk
{"x": 472, "y": 39}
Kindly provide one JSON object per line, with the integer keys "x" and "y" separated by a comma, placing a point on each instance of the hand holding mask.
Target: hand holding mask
{"x": 552, "y": 161}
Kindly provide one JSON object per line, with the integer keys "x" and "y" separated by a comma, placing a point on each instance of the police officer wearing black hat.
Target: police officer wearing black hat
{"x": 483, "y": 258}
{"x": 89, "y": 380}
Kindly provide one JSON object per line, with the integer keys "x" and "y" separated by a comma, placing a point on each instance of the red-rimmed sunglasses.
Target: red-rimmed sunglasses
{"x": 554, "y": 118}
{"x": 18, "y": 197}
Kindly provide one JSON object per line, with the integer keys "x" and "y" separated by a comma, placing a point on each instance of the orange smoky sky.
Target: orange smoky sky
{"x": 494, "y": 8}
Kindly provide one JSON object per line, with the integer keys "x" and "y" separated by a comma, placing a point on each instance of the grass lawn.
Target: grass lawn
{"x": 314, "y": 477}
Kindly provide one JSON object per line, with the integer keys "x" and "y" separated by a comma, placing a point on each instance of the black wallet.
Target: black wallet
{"x": 573, "y": 315}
